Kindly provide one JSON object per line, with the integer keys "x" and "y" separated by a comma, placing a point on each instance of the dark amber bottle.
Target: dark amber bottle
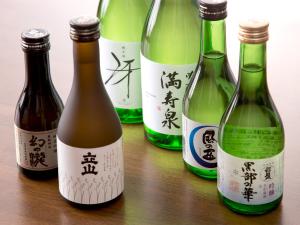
{"x": 89, "y": 136}
{"x": 38, "y": 110}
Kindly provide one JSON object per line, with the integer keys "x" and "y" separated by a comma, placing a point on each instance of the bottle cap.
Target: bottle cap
{"x": 84, "y": 28}
{"x": 213, "y": 9}
{"x": 254, "y": 31}
{"x": 35, "y": 40}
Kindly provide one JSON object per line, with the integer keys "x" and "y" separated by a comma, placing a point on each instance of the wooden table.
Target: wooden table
{"x": 158, "y": 189}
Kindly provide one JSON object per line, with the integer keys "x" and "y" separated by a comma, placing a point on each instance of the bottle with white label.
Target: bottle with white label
{"x": 251, "y": 135}
{"x": 122, "y": 23}
{"x": 169, "y": 55}
{"x": 208, "y": 94}
{"x": 89, "y": 135}
{"x": 38, "y": 110}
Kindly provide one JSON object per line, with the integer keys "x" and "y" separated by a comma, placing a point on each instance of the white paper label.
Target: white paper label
{"x": 121, "y": 72}
{"x": 250, "y": 181}
{"x": 163, "y": 88}
{"x": 200, "y": 144}
{"x": 36, "y": 150}
{"x": 90, "y": 176}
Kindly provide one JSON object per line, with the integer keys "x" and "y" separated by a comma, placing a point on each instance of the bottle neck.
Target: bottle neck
{"x": 86, "y": 65}
{"x": 252, "y": 77}
{"x": 37, "y": 71}
{"x": 213, "y": 37}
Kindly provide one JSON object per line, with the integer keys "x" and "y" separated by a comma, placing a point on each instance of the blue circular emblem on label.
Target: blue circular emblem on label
{"x": 205, "y": 139}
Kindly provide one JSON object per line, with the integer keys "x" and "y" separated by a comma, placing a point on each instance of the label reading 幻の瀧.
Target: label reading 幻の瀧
{"x": 200, "y": 144}
{"x": 36, "y": 150}
{"x": 90, "y": 175}
{"x": 163, "y": 88}
{"x": 121, "y": 72}
{"x": 250, "y": 181}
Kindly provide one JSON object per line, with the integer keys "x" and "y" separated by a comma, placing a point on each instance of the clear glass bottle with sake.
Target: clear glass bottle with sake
{"x": 122, "y": 23}
{"x": 38, "y": 110}
{"x": 251, "y": 134}
{"x": 169, "y": 55}
{"x": 208, "y": 94}
{"x": 89, "y": 136}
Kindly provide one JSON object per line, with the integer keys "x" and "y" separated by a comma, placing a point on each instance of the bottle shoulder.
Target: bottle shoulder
{"x": 172, "y": 35}
{"x": 122, "y": 20}
{"x": 89, "y": 121}
{"x": 38, "y": 112}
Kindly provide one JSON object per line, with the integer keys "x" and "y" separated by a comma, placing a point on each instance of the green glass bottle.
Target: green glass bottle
{"x": 122, "y": 23}
{"x": 169, "y": 54}
{"x": 208, "y": 95}
{"x": 251, "y": 134}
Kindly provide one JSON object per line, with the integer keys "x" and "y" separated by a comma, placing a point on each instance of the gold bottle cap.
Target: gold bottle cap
{"x": 254, "y": 31}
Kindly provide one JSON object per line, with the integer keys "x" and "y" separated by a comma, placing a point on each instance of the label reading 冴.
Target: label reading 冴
{"x": 90, "y": 176}
{"x": 200, "y": 144}
{"x": 163, "y": 89}
{"x": 121, "y": 72}
{"x": 250, "y": 181}
{"x": 36, "y": 150}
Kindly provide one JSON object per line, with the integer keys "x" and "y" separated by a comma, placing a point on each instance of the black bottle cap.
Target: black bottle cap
{"x": 213, "y": 9}
{"x": 84, "y": 28}
{"x": 35, "y": 39}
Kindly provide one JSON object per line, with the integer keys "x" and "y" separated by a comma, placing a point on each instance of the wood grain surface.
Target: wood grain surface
{"x": 158, "y": 189}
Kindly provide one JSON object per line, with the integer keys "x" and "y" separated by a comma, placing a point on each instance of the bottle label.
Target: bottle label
{"x": 200, "y": 144}
{"x": 250, "y": 181}
{"x": 90, "y": 175}
{"x": 121, "y": 72}
{"x": 36, "y": 150}
{"x": 163, "y": 89}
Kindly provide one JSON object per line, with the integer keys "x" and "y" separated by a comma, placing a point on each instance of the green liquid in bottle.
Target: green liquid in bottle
{"x": 170, "y": 50}
{"x": 121, "y": 25}
{"x": 251, "y": 140}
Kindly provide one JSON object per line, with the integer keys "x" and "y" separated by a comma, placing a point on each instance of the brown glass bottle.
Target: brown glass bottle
{"x": 90, "y": 155}
{"x": 38, "y": 110}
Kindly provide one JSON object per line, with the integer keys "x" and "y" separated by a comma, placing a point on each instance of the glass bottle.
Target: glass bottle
{"x": 38, "y": 110}
{"x": 89, "y": 136}
{"x": 209, "y": 93}
{"x": 169, "y": 54}
{"x": 121, "y": 23}
{"x": 251, "y": 134}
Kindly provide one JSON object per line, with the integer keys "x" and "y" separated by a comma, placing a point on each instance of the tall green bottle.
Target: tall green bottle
{"x": 122, "y": 23}
{"x": 169, "y": 54}
{"x": 251, "y": 135}
{"x": 208, "y": 95}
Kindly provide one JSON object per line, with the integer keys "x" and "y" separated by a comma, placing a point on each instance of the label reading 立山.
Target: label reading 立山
{"x": 90, "y": 175}
{"x": 121, "y": 72}
{"x": 250, "y": 181}
{"x": 163, "y": 88}
{"x": 36, "y": 150}
{"x": 200, "y": 144}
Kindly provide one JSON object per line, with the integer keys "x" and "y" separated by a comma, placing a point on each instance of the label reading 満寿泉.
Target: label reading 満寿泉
{"x": 163, "y": 88}
{"x": 200, "y": 144}
{"x": 121, "y": 72}
{"x": 36, "y": 150}
{"x": 250, "y": 181}
{"x": 90, "y": 175}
